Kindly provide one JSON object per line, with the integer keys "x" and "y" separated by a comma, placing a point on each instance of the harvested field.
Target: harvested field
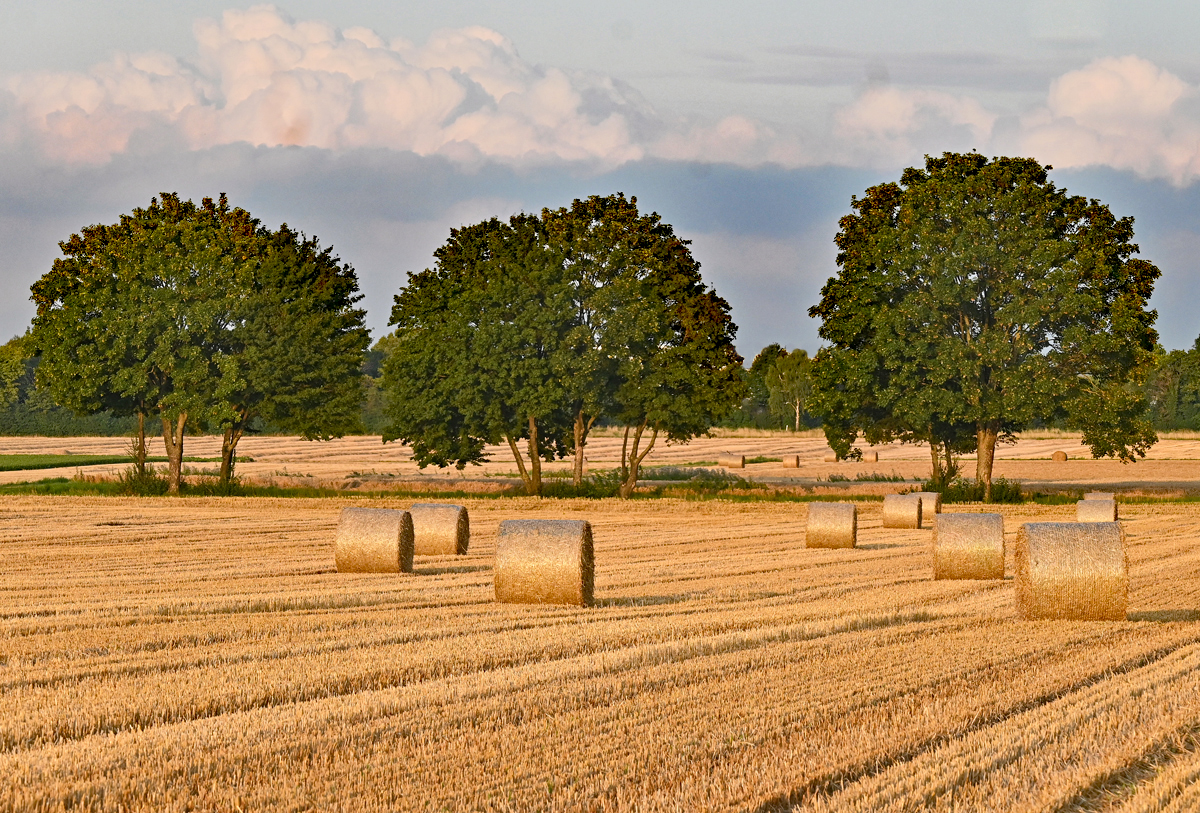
{"x": 187, "y": 653}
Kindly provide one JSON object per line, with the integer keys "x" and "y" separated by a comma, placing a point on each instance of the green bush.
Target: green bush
{"x": 149, "y": 483}
{"x": 961, "y": 490}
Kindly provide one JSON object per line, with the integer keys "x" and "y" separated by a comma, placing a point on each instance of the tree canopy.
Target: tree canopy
{"x": 974, "y": 298}
{"x": 198, "y": 316}
{"x": 533, "y": 329}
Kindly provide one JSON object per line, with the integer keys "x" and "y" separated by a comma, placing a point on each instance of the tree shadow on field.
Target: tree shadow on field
{"x": 879, "y": 546}
{"x": 641, "y": 601}
{"x": 1165, "y": 615}
{"x": 441, "y": 571}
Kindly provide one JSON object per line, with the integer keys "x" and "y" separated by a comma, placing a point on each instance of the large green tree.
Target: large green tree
{"x": 789, "y": 387}
{"x": 198, "y": 316}
{"x": 975, "y": 298}
{"x": 536, "y": 328}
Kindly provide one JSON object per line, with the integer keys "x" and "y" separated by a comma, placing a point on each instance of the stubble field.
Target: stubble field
{"x": 165, "y": 654}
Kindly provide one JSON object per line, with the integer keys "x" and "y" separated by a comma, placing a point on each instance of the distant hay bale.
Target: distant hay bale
{"x": 440, "y": 529}
{"x": 831, "y": 525}
{"x": 791, "y": 461}
{"x": 931, "y": 502}
{"x": 1096, "y": 511}
{"x": 831, "y": 458}
{"x": 968, "y": 546}
{"x": 1059, "y": 457}
{"x": 1099, "y": 495}
{"x": 731, "y": 461}
{"x": 1072, "y": 570}
{"x": 902, "y": 511}
{"x": 544, "y": 561}
{"x": 870, "y": 457}
{"x": 374, "y": 540}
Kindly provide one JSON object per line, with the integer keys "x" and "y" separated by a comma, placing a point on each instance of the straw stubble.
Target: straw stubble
{"x": 968, "y": 546}
{"x": 831, "y": 525}
{"x": 1068, "y": 570}
{"x": 440, "y": 529}
{"x": 374, "y": 540}
{"x": 545, "y": 561}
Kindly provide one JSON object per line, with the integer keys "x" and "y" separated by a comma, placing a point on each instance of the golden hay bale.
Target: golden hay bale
{"x": 931, "y": 502}
{"x": 1072, "y": 570}
{"x": 831, "y": 525}
{"x": 374, "y": 540}
{"x": 544, "y": 561}
{"x": 968, "y": 546}
{"x": 1099, "y": 495}
{"x": 440, "y": 529}
{"x": 1059, "y": 457}
{"x": 731, "y": 461}
{"x": 870, "y": 457}
{"x": 791, "y": 461}
{"x": 1096, "y": 511}
{"x": 902, "y": 511}
{"x": 831, "y": 458}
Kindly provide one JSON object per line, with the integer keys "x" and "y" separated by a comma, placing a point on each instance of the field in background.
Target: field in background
{"x": 165, "y": 654}
{"x": 1172, "y": 469}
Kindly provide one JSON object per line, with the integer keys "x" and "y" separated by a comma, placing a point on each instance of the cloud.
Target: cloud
{"x": 889, "y": 125}
{"x": 1124, "y": 113}
{"x": 260, "y": 77}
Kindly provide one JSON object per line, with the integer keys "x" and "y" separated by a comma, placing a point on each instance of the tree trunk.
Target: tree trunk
{"x": 582, "y": 428}
{"x": 797, "y": 416}
{"x": 173, "y": 440}
{"x": 985, "y": 457}
{"x": 937, "y": 459}
{"x": 531, "y": 475}
{"x": 535, "y": 459}
{"x": 629, "y": 468}
{"x": 233, "y": 433}
{"x": 139, "y": 451}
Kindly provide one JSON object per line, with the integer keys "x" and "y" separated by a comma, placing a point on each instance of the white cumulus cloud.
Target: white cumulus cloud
{"x": 263, "y": 78}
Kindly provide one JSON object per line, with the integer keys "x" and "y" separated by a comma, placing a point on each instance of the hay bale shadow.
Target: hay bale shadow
{"x": 880, "y": 546}
{"x": 441, "y": 571}
{"x": 1165, "y": 615}
{"x": 641, "y": 601}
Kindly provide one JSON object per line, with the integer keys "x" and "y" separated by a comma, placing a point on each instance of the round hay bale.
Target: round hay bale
{"x": 1059, "y": 457}
{"x": 902, "y": 511}
{"x": 1096, "y": 511}
{"x": 544, "y": 561}
{"x": 731, "y": 461}
{"x": 374, "y": 540}
{"x": 831, "y": 525}
{"x": 440, "y": 529}
{"x": 791, "y": 461}
{"x": 831, "y": 458}
{"x": 870, "y": 457}
{"x": 931, "y": 502}
{"x": 1099, "y": 495}
{"x": 968, "y": 546}
{"x": 1072, "y": 571}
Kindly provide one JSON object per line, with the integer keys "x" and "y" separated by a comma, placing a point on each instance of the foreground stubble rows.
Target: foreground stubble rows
{"x": 161, "y": 654}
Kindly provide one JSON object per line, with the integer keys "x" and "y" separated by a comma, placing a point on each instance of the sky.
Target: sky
{"x": 379, "y": 126}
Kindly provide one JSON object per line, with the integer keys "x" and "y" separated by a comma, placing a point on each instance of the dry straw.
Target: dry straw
{"x": 1096, "y": 511}
{"x": 374, "y": 540}
{"x": 731, "y": 461}
{"x": 902, "y": 511}
{"x": 968, "y": 546}
{"x": 440, "y": 529}
{"x": 1059, "y": 457}
{"x": 1072, "y": 570}
{"x": 544, "y": 561}
{"x": 1099, "y": 495}
{"x": 831, "y": 525}
{"x": 791, "y": 461}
